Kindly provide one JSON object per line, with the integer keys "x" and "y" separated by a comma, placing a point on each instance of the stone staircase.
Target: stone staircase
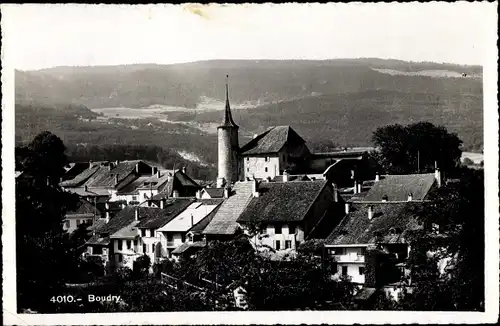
{"x": 224, "y": 221}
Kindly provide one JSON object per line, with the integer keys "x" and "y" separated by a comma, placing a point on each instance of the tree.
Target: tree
{"x": 141, "y": 267}
{"x": 46, "y": 258}
{"x": 458, "y": 210}
{"x": 416, "y": 147}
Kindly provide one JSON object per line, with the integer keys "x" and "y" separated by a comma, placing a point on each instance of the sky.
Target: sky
{"x": 42, "y": 36}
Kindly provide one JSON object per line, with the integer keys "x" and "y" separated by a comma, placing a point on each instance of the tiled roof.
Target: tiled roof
{"x": 81, "y": 178}
{"x": 224, "y": 221}
{"x": 282, "y": 201}
{"x": 127, "y": 232}
{"x": 357, "y": 228}
{"x": 89, "y": 192}
{"x": 132, "y": 187}
{"x": 397, "y": 187}
{"x": 155, "y": 183}
{"x": 185, "y": 246}
{"x": 123, "y": 218}
{"x": 180, "y": 180}
{"x": 84, "y": 207}
{"x": 349, "y": 154}
{"x": 271, "y": 141}
{"x": 195, "y": 213}
{"x": 153, "y": 218}
{"x": 215, "y": 192}
{"x": 106, "y": 177}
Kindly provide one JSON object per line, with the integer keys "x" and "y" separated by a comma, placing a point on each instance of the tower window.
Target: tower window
{"x": 265, "y": 169}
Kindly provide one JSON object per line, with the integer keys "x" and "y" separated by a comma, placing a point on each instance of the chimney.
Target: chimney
{"x": 255, "y": 136}
{"x": 355, "y": 187}
{"x": 255, "y": 188}
{"x": 175, "y": 193}
{"x": 85, "y": 188}
{"x": 137, "y": 214}
{"x": 410, "y": 196}
{"x": 347, "y": 208}
{"x": 183, "y": 169}
{"x": 437, "y": 174}
{"x": 285, "y": 176}
{"x": 137, "y": 168}
{"x": 359, "y": 187}
{"x": 106, "y": 205}
{"x": 116, "y": 179}
{"x": 385, "y": 198}
{"x": 117, "y": 162}
{"x": 335, "y": 192}
{"x": 377, "y": 177}
{"x": 162, "y": 203}
{"x": 370, "y": 212}
{"x": 198, "y": 194}
{"x": 158, "y": 175}
{"x": 226, "y": 192}
{"x": 170, "y": 177}
{"x": 153, "y": 170}
{"x": 107, "y": 217}
{"x": 91, "y": 165}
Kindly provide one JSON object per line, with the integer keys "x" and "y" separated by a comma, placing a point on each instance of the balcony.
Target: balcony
{"x": 349, "y": 258}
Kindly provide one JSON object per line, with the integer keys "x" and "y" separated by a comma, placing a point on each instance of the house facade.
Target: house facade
{"x": 372, "y": 233}
{"x": 285, "y": 214}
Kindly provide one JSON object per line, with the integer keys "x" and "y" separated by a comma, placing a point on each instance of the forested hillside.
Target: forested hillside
{"x": 342, "y": 101}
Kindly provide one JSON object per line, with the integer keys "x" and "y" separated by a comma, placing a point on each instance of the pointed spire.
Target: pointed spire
{"x": 228, "y": 118}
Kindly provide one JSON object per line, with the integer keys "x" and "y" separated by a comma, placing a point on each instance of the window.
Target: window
{"x": 152, "y": 232}
{"x": 135, "y": 243}
{"x": 144, "y": 195}
{"x": 288, "y": 244}
{"x": 129, "y": 244}
{"x": 277, "y": 229}
{"x": 144, "y": 248}
{"x": 361, "y": 271}
{"x": 297, "y": 243}
{"x": 77, "y": 222}
{"x": 278, "y": 245}
{"x": 153, "y": 248}
{"x": 68, "y": 224}
{"x": 248, "y": 169}
{"x": 170, "y": 237}
{"x": 248, "y": 159}
{"x": 120, "y": 258}
{"x": 291, "y": 229}
{"x": 265, "y": 169}
{"x": 120, "y": 244}
{"x": 183, "y": 237}
{"x": 143, "y": 232}
{"x": 267, "y": 159}
{"x": 134, "y": 197}
{"x": 344, "y": 270}
{"x": 97, "y": 250}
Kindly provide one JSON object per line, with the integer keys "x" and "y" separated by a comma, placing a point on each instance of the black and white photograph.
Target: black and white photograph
{"x": 250, "y": 163}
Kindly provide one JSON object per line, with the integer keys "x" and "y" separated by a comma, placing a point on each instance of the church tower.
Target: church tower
{"x": 227, "y": 135}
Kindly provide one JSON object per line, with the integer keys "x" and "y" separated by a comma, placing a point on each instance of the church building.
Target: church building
{"x": 275, "y": 152}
